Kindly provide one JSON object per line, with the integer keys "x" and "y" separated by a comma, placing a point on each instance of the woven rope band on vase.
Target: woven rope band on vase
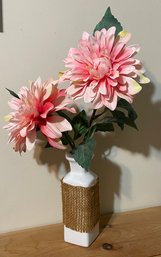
{"x": 81, "y": 210}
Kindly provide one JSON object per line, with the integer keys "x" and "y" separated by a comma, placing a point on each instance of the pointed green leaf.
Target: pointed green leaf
{"x": 80, "y": 124}
{"x": 64, "y": 139}
{"x": 119, "y": 118}
{"x": 83, "y": 153}
{"x": 130, "y": 123}
{"x": 104, "y": 127}
{"x": 64, "y": 115}
{"x": 127, "y": 106}
{"x": 12, "y": 93}
{"x": 108, "y": 21}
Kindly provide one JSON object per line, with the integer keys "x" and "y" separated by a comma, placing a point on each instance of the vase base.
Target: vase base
{"x": 79, "y": 238}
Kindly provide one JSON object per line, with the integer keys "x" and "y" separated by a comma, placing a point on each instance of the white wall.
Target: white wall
{"x": 37, "y": 35}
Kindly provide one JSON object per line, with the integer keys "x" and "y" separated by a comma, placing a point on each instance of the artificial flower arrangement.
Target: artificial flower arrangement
{"x": 103, "y": 71}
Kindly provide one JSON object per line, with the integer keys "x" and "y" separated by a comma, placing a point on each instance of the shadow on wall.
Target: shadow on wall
{"x": 53, "y": 158}
{"x": 149, "y": 124}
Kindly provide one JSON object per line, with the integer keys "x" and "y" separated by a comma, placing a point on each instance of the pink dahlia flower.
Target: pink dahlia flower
{"x": 36, "y": 108}
{"x": 102, "y": 69}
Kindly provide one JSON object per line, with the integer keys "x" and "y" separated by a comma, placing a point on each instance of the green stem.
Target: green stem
{"x": 92, "y": 117}
{"x": 70, "y": 140}
{"x": 62, "y": 114}
{"x": 97, "y": 116}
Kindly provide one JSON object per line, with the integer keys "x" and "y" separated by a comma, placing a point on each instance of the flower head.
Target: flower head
{"x": 35, "y": 108}
{"x": 102, "y": 69}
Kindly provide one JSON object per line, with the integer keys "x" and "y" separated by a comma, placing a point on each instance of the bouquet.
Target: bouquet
{"x": 102, "y": 70}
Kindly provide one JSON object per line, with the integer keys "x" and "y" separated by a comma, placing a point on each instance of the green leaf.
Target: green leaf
{"x": 12, "y": 93}
{"x": 119, "y": 118}
{"x": 64, "y": 115}
{"x": 104, "y": 127}
{"x": 125, "y": 105}
{"x": 80, "y": 124}
{"x": 84, "y": 152}
{"x": 108, "y": 21}
{"x": 64, "y": 139}
{"x": 130, "y": 123}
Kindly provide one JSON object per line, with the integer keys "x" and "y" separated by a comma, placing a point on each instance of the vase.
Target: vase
{"x": 80, "y": 200}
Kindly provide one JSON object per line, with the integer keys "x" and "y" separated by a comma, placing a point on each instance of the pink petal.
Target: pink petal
{"x": 102, "y": 39}
{"x": 38, "y": 82}
{"x": 49, "y": 89}
{"x": 47, "y": 107}
{"x": 125, "y": 38}
{"x": 133, "y": 86}
{"x": 97, "y": 102}
{"x": 69, "y": 109}
{"x": 50, "y": 130}
{"x": 127, "y": 97}
{"x": 80, "y": 93}
{"x": 112, "y": 82}
{"x": 116, "y": 50}
{"x": 61, "y": 102}
{"x": 89, "y": 95}
{"x": 14, "y": 103}
{"x": 23, "y": 91}
{"x": 122, "y": 87}
{"x": 76, "y": 91}
{"x": 126, "y": 69}
{"x": 30, "y": 139}
{"x": 122, "y": 79}
{"x": 129, "y": 61}
{"x": 112, "y": 103}
{"x": 85, "y": 36}
{"x": 103, "y": 87}
{"x": 54, "y": 126}
{"x": 60, "y": 123}
{"x": 128, "y": 52}
{"x": 23, "y": 132}
{"x": 110, "y": 37}
{"x": 55, "y": 144}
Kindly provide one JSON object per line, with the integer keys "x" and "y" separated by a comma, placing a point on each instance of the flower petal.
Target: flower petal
{"x": 54, "y": 126}
{"x": 133, "y": 86}
{"x": 88, "y": 95}
{"x": 14, "y": 103}
{"x": 103, "y": 87}
{"x": 50, "y": 130}
{"x": 60, "y": 123}
{"x": 143, "y": 79}
{"x": 30, "y": 140}
{"x": 112, "y": 103}
{"x": 47, "y": 107}
{"x": 124, "y": 36}
{"x": 56, "y": 144}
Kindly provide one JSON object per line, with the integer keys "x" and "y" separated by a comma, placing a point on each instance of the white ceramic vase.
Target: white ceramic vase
{"x": 78, "y": 177}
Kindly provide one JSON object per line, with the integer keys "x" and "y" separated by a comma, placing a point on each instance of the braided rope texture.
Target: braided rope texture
{"x": 81, "y": 208}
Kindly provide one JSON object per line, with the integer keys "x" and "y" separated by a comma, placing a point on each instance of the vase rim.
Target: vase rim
{"x": 69, "y": 157}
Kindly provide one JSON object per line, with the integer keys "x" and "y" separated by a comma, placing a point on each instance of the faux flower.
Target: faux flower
{"x": 36, "y": 108}
{"x": 102, "y": 69}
